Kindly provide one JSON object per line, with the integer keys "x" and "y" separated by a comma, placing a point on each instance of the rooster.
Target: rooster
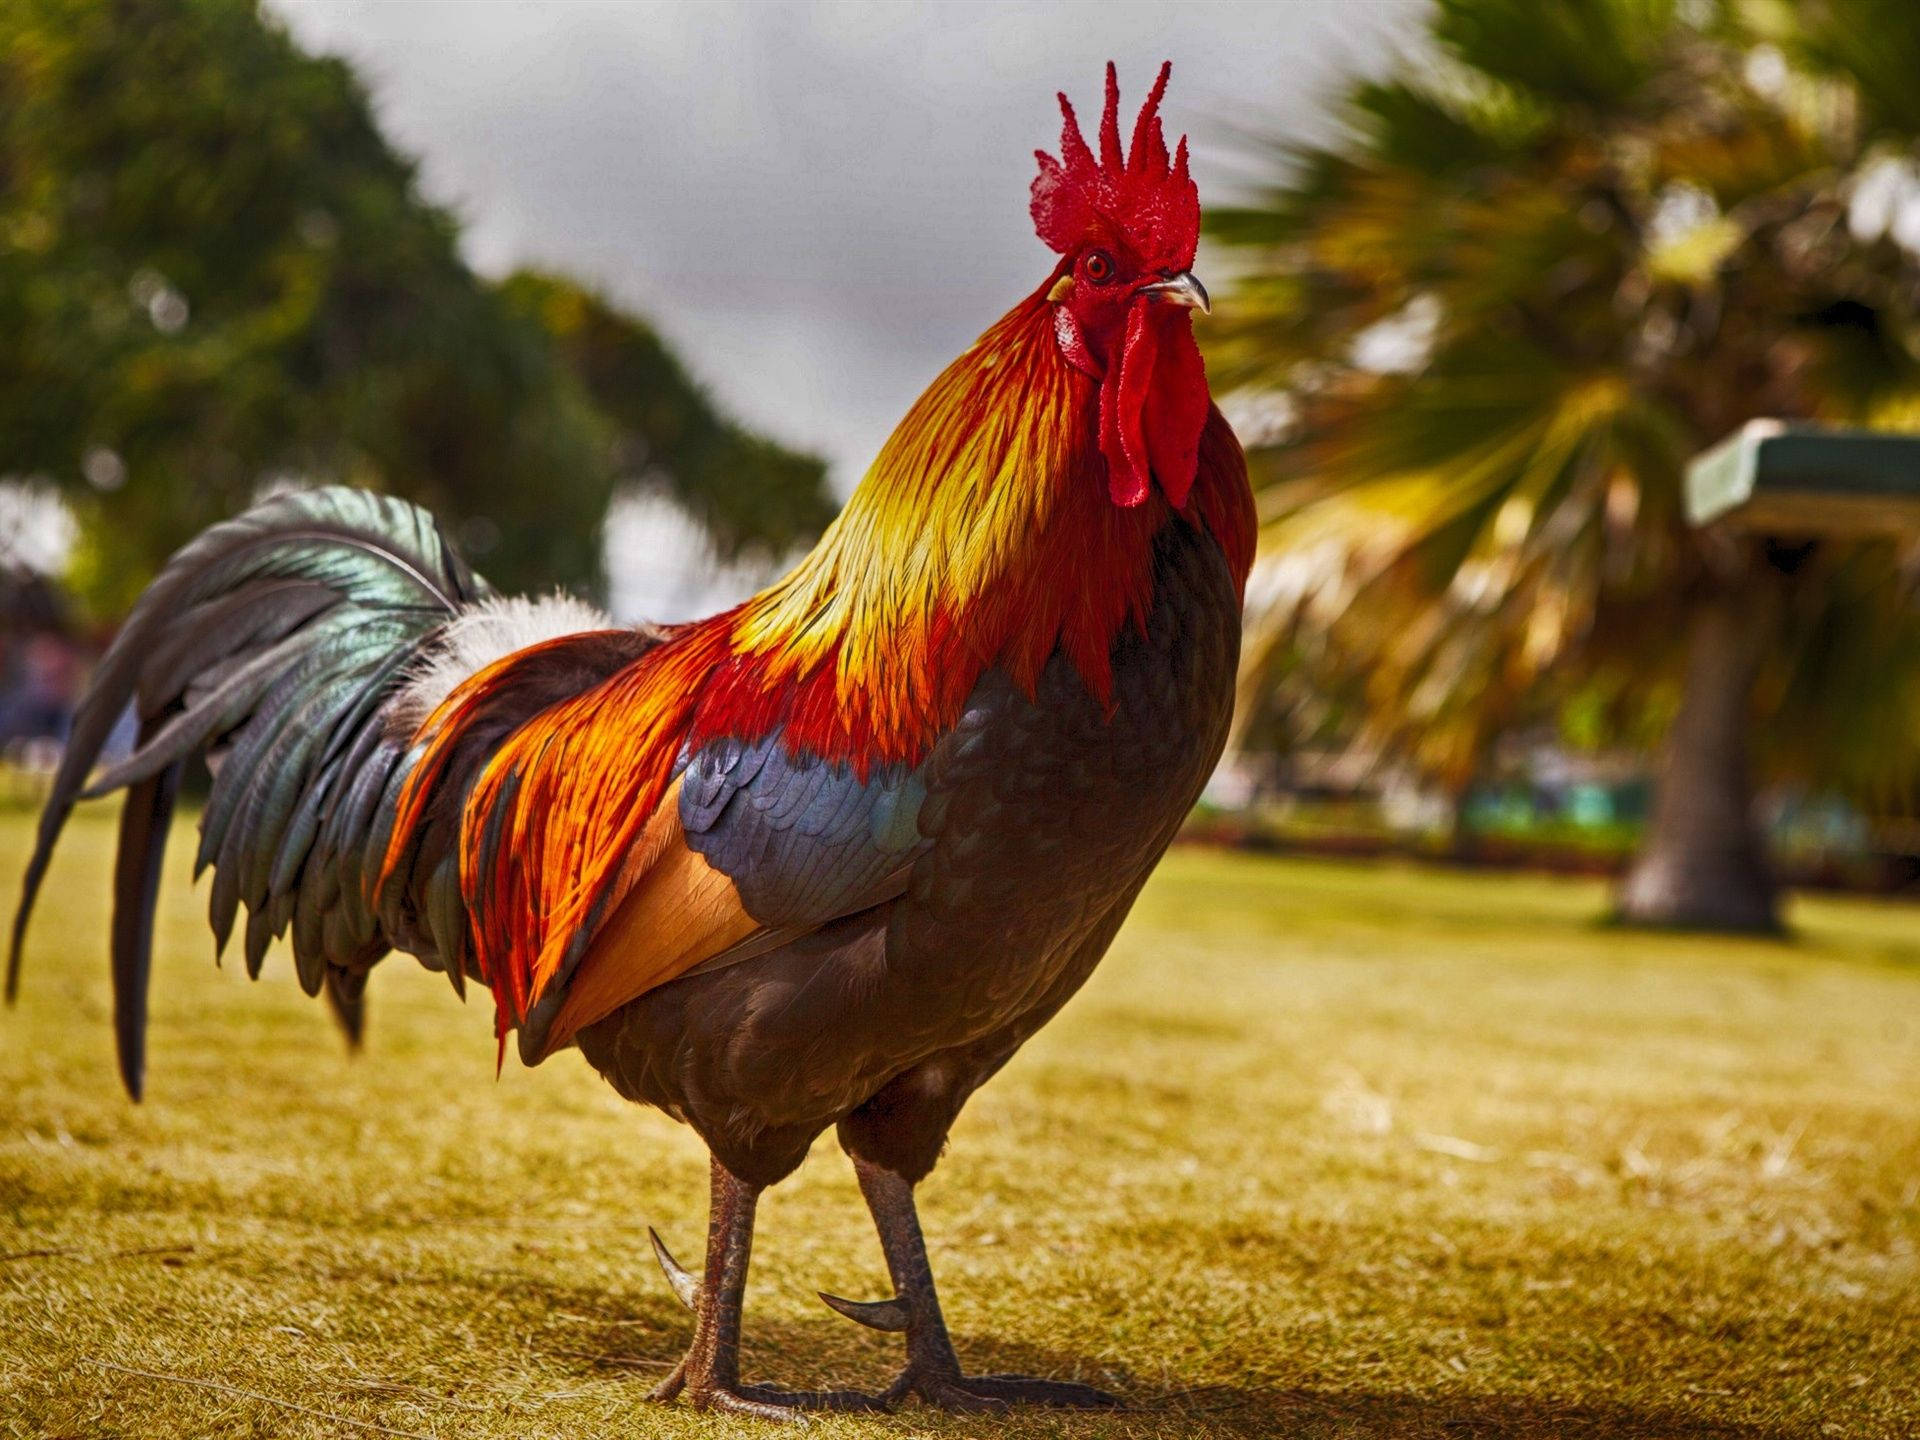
{"x": 826, "y": 859}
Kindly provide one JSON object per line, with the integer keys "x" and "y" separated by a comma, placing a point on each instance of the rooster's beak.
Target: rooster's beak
{"x": 1183, "y": 289}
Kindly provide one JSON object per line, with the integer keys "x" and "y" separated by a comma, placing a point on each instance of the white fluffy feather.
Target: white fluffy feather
{"x": 482, "y": 634}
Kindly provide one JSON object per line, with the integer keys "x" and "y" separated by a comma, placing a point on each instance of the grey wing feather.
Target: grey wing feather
{"x": 804, "y": 841}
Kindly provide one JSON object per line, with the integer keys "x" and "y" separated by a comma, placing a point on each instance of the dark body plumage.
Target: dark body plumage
{"x": 1042, "y": 818}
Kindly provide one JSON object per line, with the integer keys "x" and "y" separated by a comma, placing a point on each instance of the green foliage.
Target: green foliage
{"x": 746, "y": 490}
{"x": 1873, "y": 46}
{"x": 215, "y": 273}
{"x": 1539, "y": 270}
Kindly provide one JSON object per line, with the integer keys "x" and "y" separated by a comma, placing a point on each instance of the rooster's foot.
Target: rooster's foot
{"x": 708, "y": 1377}
{"x": 935, "y": 1378}
{"x": 764, "y": 1402}
{"x": 977, "y": 1393}
{"x": 933, "y": 1373}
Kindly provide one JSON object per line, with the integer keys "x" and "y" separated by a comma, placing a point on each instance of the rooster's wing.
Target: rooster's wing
{"x": 753, "y": 846}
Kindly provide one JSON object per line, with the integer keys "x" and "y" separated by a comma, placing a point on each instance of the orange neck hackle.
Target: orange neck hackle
{"x": 981, "y": 535}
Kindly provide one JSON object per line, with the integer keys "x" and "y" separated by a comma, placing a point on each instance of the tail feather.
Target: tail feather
{"x": 347, "y": 999}
{"x": 136, "y": 888}
{"x": 296, "y": 648}
{"x": 220, "y": 628}
{"x": 274, "y": 641}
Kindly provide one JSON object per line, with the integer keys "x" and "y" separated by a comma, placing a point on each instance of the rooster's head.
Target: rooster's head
{"x": 1125, "y": 225}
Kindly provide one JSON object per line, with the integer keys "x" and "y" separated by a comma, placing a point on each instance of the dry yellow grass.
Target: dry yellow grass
{"x": 1322, "y": 1151}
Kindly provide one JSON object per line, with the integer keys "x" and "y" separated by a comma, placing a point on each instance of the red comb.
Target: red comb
{"x": 1152, "y": 203}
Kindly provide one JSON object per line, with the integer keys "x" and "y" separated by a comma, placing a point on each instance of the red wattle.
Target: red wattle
{"x": 1153, "y": 406}
{"x": 1180, "y": 405}
{"x": 1127, "y": 481}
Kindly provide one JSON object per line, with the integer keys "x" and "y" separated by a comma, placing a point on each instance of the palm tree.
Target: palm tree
{"x": 1564, "y": 249}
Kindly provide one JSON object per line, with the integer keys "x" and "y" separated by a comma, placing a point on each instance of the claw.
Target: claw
{"x": 890, "y": 1315}
{"x": 685, "y": 1287}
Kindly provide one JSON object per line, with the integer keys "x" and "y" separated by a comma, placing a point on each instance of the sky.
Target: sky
{"x": 818, "y": 204}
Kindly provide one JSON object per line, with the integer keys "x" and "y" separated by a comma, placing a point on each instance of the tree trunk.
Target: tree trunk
{"x": 1703, "y": 864}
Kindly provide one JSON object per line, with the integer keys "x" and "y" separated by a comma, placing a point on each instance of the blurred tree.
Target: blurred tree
{"x": 215, "y": 274}
{"x": 747, "y": 491}
{"x": 1570, "y": 245}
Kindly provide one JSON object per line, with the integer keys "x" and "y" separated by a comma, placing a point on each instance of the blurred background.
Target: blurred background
{"x": 1383, "y": 1135}
{"x": 630, "y": 294}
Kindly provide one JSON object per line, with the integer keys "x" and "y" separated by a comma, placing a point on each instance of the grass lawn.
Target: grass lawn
{"x": 1323, "y": 1150}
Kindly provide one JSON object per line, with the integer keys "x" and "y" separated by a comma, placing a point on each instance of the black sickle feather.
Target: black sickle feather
{"x": 276, "y": 640}
{"x": 274, "y": 644}
{"x": 136, "y": 887}
{"x": 347, "y": 998}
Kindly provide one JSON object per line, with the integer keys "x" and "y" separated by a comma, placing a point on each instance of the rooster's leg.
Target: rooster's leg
{"x": 933, "y": 1368}
{"x": 709, "y": 1374}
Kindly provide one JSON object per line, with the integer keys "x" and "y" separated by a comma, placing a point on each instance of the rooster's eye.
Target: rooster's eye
{"x": 1099, "y": 267}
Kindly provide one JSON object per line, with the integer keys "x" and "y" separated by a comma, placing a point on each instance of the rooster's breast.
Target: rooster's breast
{"x": 1048, "y": 812}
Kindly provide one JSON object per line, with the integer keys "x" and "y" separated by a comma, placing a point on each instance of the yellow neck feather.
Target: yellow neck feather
{"x": 953, "y": 502}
